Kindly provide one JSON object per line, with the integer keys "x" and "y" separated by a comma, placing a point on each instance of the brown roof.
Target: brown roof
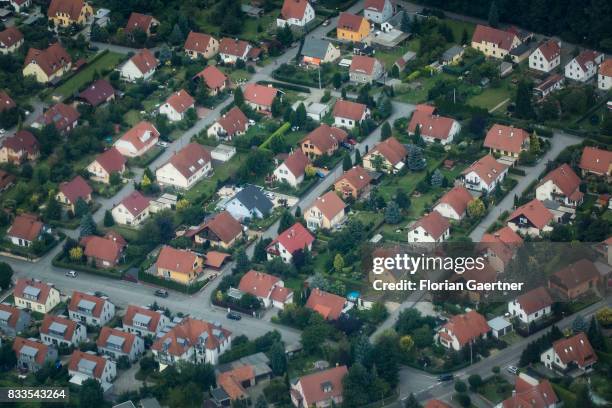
{"x": 294, "y": 238}
{"x": 259, "y": 94}
{"x": 61, "y": 115}
{"x": 535, "y": 212}
{"x": 190, "y": 330}
{"x": 296, "y": 162}
{"x": 233, "y": 121}
{"x": 98, "y": 92}
{"x": 506, "y": 138}
{"x": 467, "y": 327}
{"x": 10, "y": 36}
{"x": 135, "y": 310}
{"x": 349, "y": 110}
{"x": 376, "y": 5}
{"x": 224, "y": 226}
{"x": 106, "y": 332}
{"x": 550, "y": 49}
{"x": 534, "y": 300}
{"x": 176, "y": 260}
{"x": 566, "y": 180}
{"x": 197, "y": 42}
{"x": 138, "y": 21}
{"x": 391, "y": 149}
{"x": 70, "y": 7}
{"x": 576, "y": 274}
{"x": 328, "y": 305}
{"x": 26, "y": 227}
{"x": 549, "y": 82}
{"x": 50, "y": 319}
{"x": 103, "y": 249}
{"x": 13, "y": 311}
{"x": 350, "y": 22}
{"x": 323, "y": 385}
{"x": 213, "y": 77}
{"x": 325, "y": 137}
{"x": 280, "y": 294}
{"x": 585, "y": 57}
{"x": 181, "y": 101}
{"x": 502, "y": 243}
{"x": 231, "y": 381}
{"x": 50, "y": 60}
{"x": 605, "y": 68}
{"x": 145, "y": 61}
{"x": 431, "y": 125}
{"x": 294, "y": 9}
{"x": 487, "y": 168}
{"x": 502, "y": 38}
{"x": 529, "y": 395}
{"x": 215, "y": 259}
{"x": 576, "y": 349}
{"x": 433, "y": 223}
{"x": 458, "y": 198}
{"x": 137, "y": 135}
{"x": 596, "y": 160}
{"x": 258, "y": 283}
{"x": 42, "y": 349}
{"x": 233, "y": 47}
{"x": 78, "y": 355}
{"x": 23, "y": 140}
{"x": 6, "y": 102}
{"x": 363, "y": 64}
{"x": 357, "y": 177}
{"x": 329, "y": 204}
{"x": 111, "y": 160}
{"x": 75, "y": 189}
{"x": 190, "y": 159}
{"x": 77, "y": 297}
{"x": 135, "y": 203}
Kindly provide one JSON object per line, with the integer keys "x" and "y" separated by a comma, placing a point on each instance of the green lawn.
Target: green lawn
{"x": 419, "y": 88}
{"x": 388, "y": 57}
{"x": 458, "y": 27}
{"x": 490, "y": 98}
{"x": 496, "y": 389}
{"x": 407, "y": 182}
{"x": 132, "y": 117}
{"x": 207, "y": 187}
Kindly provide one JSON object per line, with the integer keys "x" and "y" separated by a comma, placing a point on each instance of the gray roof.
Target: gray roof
{"x": 29, "y": 351}
{"x": 126, "y": 404}
{"x": 520, "y": 50}
{"x": 4, "y": 315}
{"x": 115, "y": 341}
{"x": 219, "y": 394}
{"x": 142, "y": 319}
{"x": 149, "y": 403}
{"x": 315, "y": 47}
{"x": 86, "y": 304}
{"x": 499, "y": 323}
{"x": 31, "y": 291}
{"x": 57, "y": 327}
{"x": 86, "y": 366}
{"x": 252, "y": 197}
{"x": 452, "y": 52}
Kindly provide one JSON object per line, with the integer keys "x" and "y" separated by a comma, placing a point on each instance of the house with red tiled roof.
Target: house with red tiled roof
{"x": 214, "y": 79}
{"x": 231, "y": 50}
{"x": 60, "y": 331}
{"x": 463, "y": 329}
{"x": 289, "y": 242}
{"x": 531, "y": 306}
{"x": 354, "y": 183}
{"x": 234, "y": 382}
{"x": 105, "y": 252}
{"x": 229, "y": 125}
{"x": 320, "y": 389}
{"x": 584, "y": 66}
{"x": 327, "y": 212}
{"x": 430, "y": 229}
{"x": 328, "y": 305}
{"x": 529, "y": 392}
{"x": 20, "y": 147}
{"x": 177, "y": 105}
{"x": 142, "y": 65}
{"x": 138, "y": 140}
{"x": 352, "y": 27}
{"x": 266, "y": 288}
{"x": 141, "y": 22}
{"x": 546, "y": 57}
{"x": 434, "y": 403}
{"x": 324, "y": 140}
{"x": 64, "y": 117}
{"x": 387, "y": 156}
{"x": 194, "y": 341}
{"x": 116, "y": 343}
{"x": 25, "y": 229}
{"x": 604, "y": 75}
{"x": 570, "y": 353}
{"x": 11, "y": 39}
{"x": 506, "y": 140}
{"x": 494, "y": 42}
{"x": 64, "y": 13}
{"x": 349, "y": 114}
{"x": 47, "y": 65}
{"x": 221, "y": 230}
{"x": 13, "y": 320}
{"x": 296, "y": 13}
{"x": 186, "y": 167}
{"x": 132, "y": 210}
{"x": 32, "y": 355}
{"x": 453, "y": 204}
{"x": 561, "y": 185}
{"x": 365, "y": 70}
{"x": 72, "y": 191}
{"x": 500, "y": 247}
{"x": 86, "y": 308}
{"x": 292, "y": 169}
{"x": 378, "y": 11}
{"x": 575, "y": 280}
{"x": 484, "y": 174}
{"x": 551, "y": 83}
{"x": 6, "y": 102}
{"x": 201, "y": 45}
{"x": 433, "y": 127}
{"x": 35, "y": 295}
{"x": 85, "y": 366}
{"x": 260, "y": 97}
{"x": 596, "y": 161}
{"x": 105, "y": 164}
{"x": 98, "y": 93}
{"x": 178, "y": 265}
{"x": 531, "y": 219}
{"x": 143, "y": 321}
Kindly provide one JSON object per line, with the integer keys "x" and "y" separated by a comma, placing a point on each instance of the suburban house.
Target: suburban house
{"x": 494, "y": 42}
{"x": 137, "y": 141}
{"x": 178, "y": 265}
{"x": 185, "y": 168}
{"x": 201, "y": 45}
{"x": 328, "y": 305}
{"x": 320, "y": 389}
{"x": 463, "y": 329}
{"x": 352, "y": 27}
{"x": 214, "y": 79}
{"x": 194, "y": 341}
{"x": 86, "y": 365}
{"x": 596, "y": 161}
{"x": 453, "y": 204}
{"x": 141, "y": 22}
{"x": 18, "y": 5}
{"x": 551, "y": 83}
{"x": 177, "y": 105}
{"x": 220, "y": 230}
{"x": 64, "y": 117}
{"x": 11, "y": 39}
{"x": 570, "y": 353}
{"x": 349, "y": 114}
{"x": 546, "y": 57}
{"x": 484, "y": 174}
{"x": 116, "y": 343}
{"x": 433, "y": 127}
{"x": 269, "y": 289}
{"x": 25, "y": 229}
{"x": 13, "y": 320}
{"x": 289, "y": 242}
{"x": 20, "y": 147}
{"x": 250, "y": 202}
{"x": 229, "y": 125}
{"x": 387, "y": 156}
{"x": 354, "y": 183}
{"x": 575, "y": 280}
{"x": 6, "y": 102}
{"x": 142, "y": 66}
{"x": 324, "y": 140}
{"x": 378, "y": 11}
{"x": 584, "y": 66}
{"x": 98, "y": 93}
{"x": 47, "y": 65}
{"x": 296, "y": 13}
{"x": 90, "y": 310}
{"x": 430, "y": 229}
{"x": 453, "y": 55}
{"x": 531, "y": 306}
{"x": 64, "y": 13}
{"x": 365, "y": 70}
{"x": 506, "y": 140}
{"x": 104, "y": 252}
{"x": 327, "y": 212}
{"x": 317, "y": 51}
{"x": 32, "y": 355}
{"x": 35, "y": 295}
{"x": 500, "y": 247}
{"x": 529, "y": 392}
{"x": 105, "y": 164}
{"x": 132, "y": 210}
{"x": 231, "y": 50}
{"x": 60, "y": 331}
{"x": 260, "y": 97}
{"x": 531, "y": 219}
{"x": 70, "y": 192}
{"x": 604, "y": 76}
{"x": 233, "y": 383}
{"x": 144, "y": 322}
{"x": 292, "y": 169}
{"x": 561, "y": 185}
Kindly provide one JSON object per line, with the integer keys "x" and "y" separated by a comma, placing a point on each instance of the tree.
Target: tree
{"x": 259, "y": 253}
{"x": 109, "y": 221}
{"x": 596, "y": 337}
{"x": 402, "y": 199}
{"x": 406, "y": 343}
{"x": 524, "y": 100}
{"x": 460, "y": 386}
{"x": 411, "y": 402}
{"x": 176, "y": 37}
{"x": 338, "y": 263}
{"x": 583, "y": 399}
{"x": 76, "y": 253}
{"x": 53, "y": 211}
{"x": 278, "y": 359}
{"x": 88, "y": 226}
{"x": 464, "y": 37}
{"x": 405, "y": 22}
{"x": 298, "y": 212}
{"x": 604, "y": 316}
{"x": 314, "y": 334}
{"x": 378, "y": 162}
{"x": 346, "y": 162}
{"x": 8, "y": 359}
{"x": 357, "y": 157}
{"x": 385, "y": 131}
{"x": 300, "y": 116}
{"x": 80, "y": 208}
{"x": 91, "y": 394}
{"x": 242, "y": 262}
{"x": 284, "y": 35}
{"x": 6, "y": 275}
{"x": 277, "y": 107}
{"x": 437, "y": 178}
{"x": 416, "y": 161}
{"x": 261, "y": 402}
{"x": 476, "y": 208}
{"x": 534, "y": 143}
{"x": 238, "y": 97}
{"x": 392, "y": 213}
{"x": 286, "y": 221}
{"x": 249, "y": 301}
{"x": 579, "y": 324}
{"x": 337, "y": 80}
{"x": 494, "y": 15}
{"x": 475, "y": 381}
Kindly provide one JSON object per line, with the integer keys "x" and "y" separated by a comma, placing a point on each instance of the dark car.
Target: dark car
{"x": 446, "y": 377}
{"x": 234, "y": 316}
{"x": 161, "y": 293}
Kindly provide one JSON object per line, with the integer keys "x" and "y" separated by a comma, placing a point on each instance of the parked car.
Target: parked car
{"x": 325, "y": 23}
{"x": 161, "y": 293}
{"x": 71, "y": 274}
{"x": 163, "y": 144}
{"x": 512, "y": 370}
{"x": 234, "y": 316}
{"x": 446, "y": 377}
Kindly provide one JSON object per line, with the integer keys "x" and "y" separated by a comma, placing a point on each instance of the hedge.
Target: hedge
{"x": 179, "y": 287}
{"x": 517, "y": 171}
{"x": 277, "y": 133}
{"x": 59, "y": 262}
{"x": 283, "y": 85}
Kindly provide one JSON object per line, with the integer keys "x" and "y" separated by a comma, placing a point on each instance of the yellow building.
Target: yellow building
{"x": 35, "y": 295}
{"x": 352, "y": 27}
{"x": 47, "y": 65}
{"x": 178, "y": 265}
{"x": 493, "y": 42}
{"x": 66, "y": 12}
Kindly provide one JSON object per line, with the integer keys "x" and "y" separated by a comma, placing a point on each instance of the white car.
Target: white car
{"x": 163, "y": 144}
{"x": 512, "y": 370}
{"x": 71, "y": 274}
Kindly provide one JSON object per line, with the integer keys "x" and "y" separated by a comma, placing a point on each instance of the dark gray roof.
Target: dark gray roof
{"x": 452, "y": 52}
{"x": 126, "y": 404}
{"x": 315, "y": 47}
{"x": 520, "y": 50}
{"x": 149, "y": 403}
{"x": 252, "y": 197}
{"x": 219, "y": 394}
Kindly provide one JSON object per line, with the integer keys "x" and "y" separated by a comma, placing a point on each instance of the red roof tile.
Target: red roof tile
{"x": 376, "y": 5}
{"x": 566, "y": 180}
{"x": 213, "y": 77}
{"x": 78, "y": 355}
{"x": 260, "y": 94}
{"x": 534, "y": 300}
{"x": 535, "y": 212}
{"x": 294, "y": 9}
{"x": 323, "y": 385}
{"x": 50, "y": 60}
{"x": 433, "y": 223}
{"x": 458, "y": 198}
{"x": 190, "y": 330}
{"x": 10, "y": 36}
{"x": 326, "y": 137}
{"x": 349, "y": 110}
{"x": 140, "y": 134}
{"x": 139, "y": 21}
{"x": 467, "y": 327}
{"x": 70, "y": 325}
{"x": 329, "y": 204}
{"x": 503, "y": 243}
{"x": 224, "y": 226}
{"x": 42, "y": 349}
{"x": 576, "y": 274}
{"x": 506, "y": 138}
{"x": 281, "y": 294}
{"x": 596, "y": 160}
{"x": 215, "y": 259}
{"x": 234, "y": 121}
{"x": 357, "y": 177}
{"x": 487, "y": 168}
{"x": 6, "y": 102}
{"x": 190, "y": 159}
{"x": 132, "y": 311}
{"x": 111, "y": 161}
{"x": 72, "y": 8}
{"x": 431, "y": 125}
{"x": 145, "y": 61}
{"x": 61, "y": 115}
{"x": 349, "y": 22}
{"x": 294, "y": 238}
{"x": 26, "y": 227}
{"x": 605, "y": 68}
{"x": 296, "y": 162}
{"x": 576, "y": 349}
{"x": 77, "y": 297}
{"x": 98, "y": 92}
{"x": 503, "y": 39}
{"x": 363, "y": 64}
{"x": 181, "y": 101}
{"x": 6, "y": 180}
{"x": 177, "y": 260}
{"x": 135, "y": 203}
{"x": 231, "y": 381}
{"x": 328, "y": 305}
{"x": 258, "y": 284}
{"x": 14, "y": 314}
{"x": 106, "y": 332}
{"x": 587, "y": 56}
{"x": 434, "y": 403}
{"x": 541, "y": 395}
{"x": 550, "y": 49}
{"x": 75, "y": 189}
{"x": 103, "y": 249}
{"x": 197, "y": 42}
{"x": 23, "y": 140}
{"x": 391, "y": 149}
{"x": 230, "y": 46}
